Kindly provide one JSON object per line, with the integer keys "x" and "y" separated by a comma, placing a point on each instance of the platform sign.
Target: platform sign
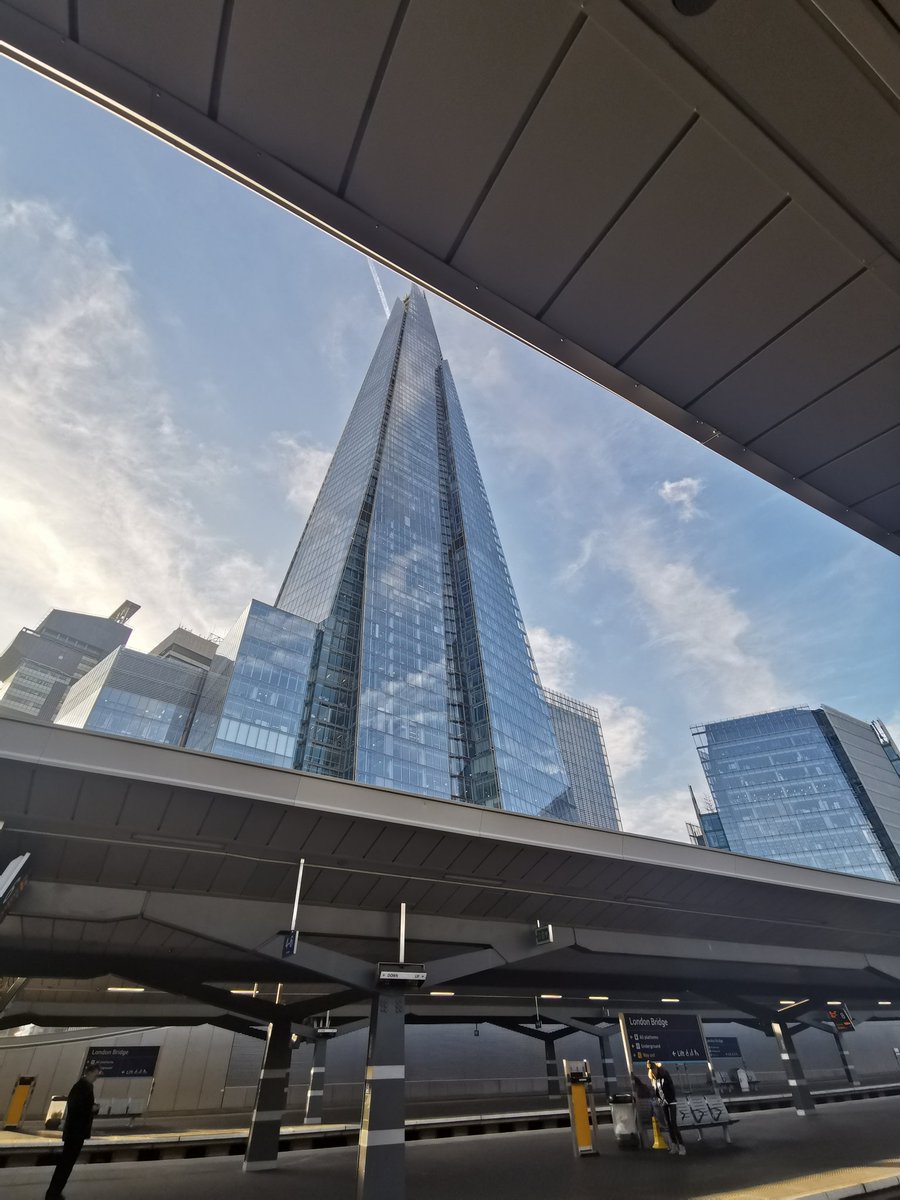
{"x": 122, "y": 1062}
{"x": 658, "y": 1038}
{"x": 840, "y": 1018}
{"x": 12, "y": 883}
{"x": 724, "y": 1047}
{"x": 289, "y": 945}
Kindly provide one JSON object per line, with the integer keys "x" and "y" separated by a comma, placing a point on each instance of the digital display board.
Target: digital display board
{"x": 658, "y": 1038}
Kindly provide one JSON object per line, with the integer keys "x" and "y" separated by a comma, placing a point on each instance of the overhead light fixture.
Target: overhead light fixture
{"x": 598, "y": 997}
{"x": 787, "y": 1001}
{"x": 884, "y": 1001}
{"x": 669, "y": 1000}
{"x": 442, "y": 993}
{"x": 125, "y": 989}
{"x": 551, "y": 996}
{"x": 834, "y": 1002}
{"x": 242, "y": 991}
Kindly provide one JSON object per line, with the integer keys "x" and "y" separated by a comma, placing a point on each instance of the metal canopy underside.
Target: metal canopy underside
{"x": 701, "y": 213}
{"x": 176, "y": 870}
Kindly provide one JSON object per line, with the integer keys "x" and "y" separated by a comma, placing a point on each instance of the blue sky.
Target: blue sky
{"x": 177, "y": 359}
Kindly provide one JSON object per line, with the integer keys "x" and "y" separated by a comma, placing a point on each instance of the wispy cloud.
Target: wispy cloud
{"x": 624, "y": 725}
{"x": 101, "y": 489}
{"x": 681, "y": 495}
{"x": 711, "y": 638}
{"x": 301, "y": 466}
{"x": 625, "y": 732}
{"x": 554, "y": 657}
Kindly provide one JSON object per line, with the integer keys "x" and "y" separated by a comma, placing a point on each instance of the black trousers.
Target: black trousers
{"x": 71, "y": 1148}
{"x": 671, "y": 1111}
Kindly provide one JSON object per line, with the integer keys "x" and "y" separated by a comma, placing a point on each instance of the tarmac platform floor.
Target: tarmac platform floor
{"x": 837, "y": 1152}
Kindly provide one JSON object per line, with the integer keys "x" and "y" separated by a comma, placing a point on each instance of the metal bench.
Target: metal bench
{"x": 705, "y": 1112}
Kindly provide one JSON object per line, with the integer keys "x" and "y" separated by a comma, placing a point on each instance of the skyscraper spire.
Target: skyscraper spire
{"x": 422, "y": 678}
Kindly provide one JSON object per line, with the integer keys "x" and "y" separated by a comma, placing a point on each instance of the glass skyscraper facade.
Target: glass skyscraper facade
{"x": 134, "y": 695}
{"x": 395, "y": 654}
{"x": 808, "y": 786}
{"x": 421, "y": 677}
{"x": 252, "y": 697}
{"x": 580, "y": 738}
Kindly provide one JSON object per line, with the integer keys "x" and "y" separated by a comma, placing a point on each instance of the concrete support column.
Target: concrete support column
{"x": 849, "y": 1069}
{"x": 552, "y": 1067}
{"x": 790, "y": 1060}
{"x": 316, "y": 1094}
{"x": 608, "y": 1066}
{"x": 271, "y": 1096}
{"x": 381, "y": 1162}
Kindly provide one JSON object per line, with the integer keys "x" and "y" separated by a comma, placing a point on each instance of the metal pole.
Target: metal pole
{"x": 297, "y": 894}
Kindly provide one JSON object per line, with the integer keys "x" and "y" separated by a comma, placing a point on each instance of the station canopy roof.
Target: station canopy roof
{"x": 175, "y": 871}
{"x": 694, "y": 203}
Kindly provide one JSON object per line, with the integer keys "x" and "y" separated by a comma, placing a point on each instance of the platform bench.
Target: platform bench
{"x": 705, "y": 1112}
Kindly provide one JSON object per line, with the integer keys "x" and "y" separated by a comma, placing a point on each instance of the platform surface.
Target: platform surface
{"x": 774, "y": 1156}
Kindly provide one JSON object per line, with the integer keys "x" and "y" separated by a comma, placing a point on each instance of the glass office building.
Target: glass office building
{"x": 39, "y": 665}
{"x": 252, "y": 698}
{"x": 135, "y": 695}
{"x": 810, "y": 786}
{"x": 395, "y": 654}
{"x": 422, "y": 678}
{"x": 580, "y": 738}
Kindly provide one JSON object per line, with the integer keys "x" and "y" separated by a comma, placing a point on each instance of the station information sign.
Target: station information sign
{"x": 840, "y": 1017}
{"x": 663, "y": 1038}
{"x": 122, "y": 1062}
{"x": 724, "y": 1047}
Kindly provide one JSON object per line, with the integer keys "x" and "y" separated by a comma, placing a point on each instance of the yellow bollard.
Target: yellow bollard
{"x": 659, "y": 1142}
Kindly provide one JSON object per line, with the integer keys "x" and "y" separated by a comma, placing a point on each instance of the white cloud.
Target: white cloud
{"x": 711, "y": 637}
{"x": 554, "y": 656}
{"x": 658, "y": 814}
{"x": 681, "y": 495}
{"x": 101, "y": 488}
{"x": 624, "y": 725}
{"x": 303, "y": 468}
{"x": 624, "y": 731}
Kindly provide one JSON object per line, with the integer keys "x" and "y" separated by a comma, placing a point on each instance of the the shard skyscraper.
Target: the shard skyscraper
{"x": 421, "y": 678}
{"x": 395, "y": 653}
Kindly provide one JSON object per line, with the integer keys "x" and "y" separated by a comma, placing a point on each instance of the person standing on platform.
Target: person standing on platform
{"x": 664, "y": 1092}
{"x": 76, "y": 1130}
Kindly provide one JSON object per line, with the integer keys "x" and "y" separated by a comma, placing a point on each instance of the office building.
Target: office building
{"x": 810, "y": 786}
{"x": 183, "y": 645}
{"x": 39, "y": 664}
{"x": 580, "y": 739}
{"x": 252, "y": 700}
{"x": 422, "y": 678}
{"x": 395, "y": 654}
{"x": 135, "y": 695}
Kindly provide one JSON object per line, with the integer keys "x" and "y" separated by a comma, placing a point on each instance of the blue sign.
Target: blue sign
{"x": 654, "y": 1038}
{"x": 724, "y": 1047}
{"x": 122, "y": 1062}
{"x": 289, "y": 947}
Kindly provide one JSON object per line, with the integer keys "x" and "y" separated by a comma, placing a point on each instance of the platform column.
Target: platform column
{"x": 849, "y": 1069}
{"x": 381, "y": 1162}
{"x": 271, "y": 1096}
{"x": 315, "y": 1096}
{"x": 552, "y": 1067}
{"x": 790, "y": 1060}
{"x": 608, "y": 1066}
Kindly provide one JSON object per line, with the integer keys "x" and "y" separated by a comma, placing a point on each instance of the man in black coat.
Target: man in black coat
{"x": 76, "y": 1130}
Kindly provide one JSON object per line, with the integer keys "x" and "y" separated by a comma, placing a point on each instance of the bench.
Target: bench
{"x": 704, "y": 1112}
